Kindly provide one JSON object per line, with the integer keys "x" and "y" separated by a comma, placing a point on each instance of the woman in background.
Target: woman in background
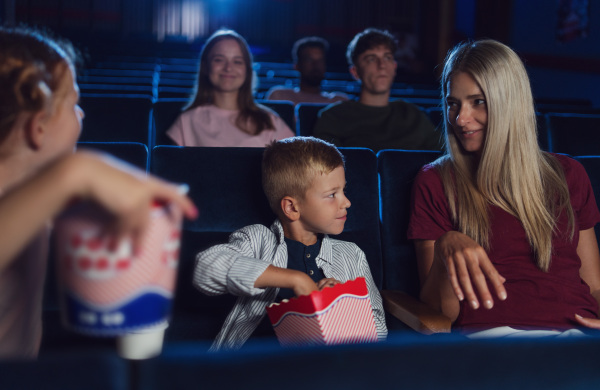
{"x": 223, "y": 111}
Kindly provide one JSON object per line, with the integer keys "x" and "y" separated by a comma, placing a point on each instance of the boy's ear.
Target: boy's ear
{"x": 35, "y": 130}
{"x": 289, "y": 207}
{"x": 354, "y": 72}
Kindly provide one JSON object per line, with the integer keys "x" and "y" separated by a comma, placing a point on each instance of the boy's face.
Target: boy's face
{"x": 323, "y": 208}
{"x": 64, "y": 120}
{"x": 376, "y": 69}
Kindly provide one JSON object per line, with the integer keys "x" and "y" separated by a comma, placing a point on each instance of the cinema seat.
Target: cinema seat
{"x": 307, "y": 115}
{"x": 574, "y": 134}
{"x": 397, "y": 170}
{"x": 115, "y": 118}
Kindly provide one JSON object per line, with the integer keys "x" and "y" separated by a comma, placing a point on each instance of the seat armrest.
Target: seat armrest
{"x": 414, "y": 313}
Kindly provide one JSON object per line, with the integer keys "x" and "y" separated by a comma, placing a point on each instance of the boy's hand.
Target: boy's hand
{"x": 297, "y": 281}
{"x": 327, "y": 282}
{"x": 304, "y": 285}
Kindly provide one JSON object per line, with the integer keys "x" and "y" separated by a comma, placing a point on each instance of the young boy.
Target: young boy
{"x": 303, "y": 179}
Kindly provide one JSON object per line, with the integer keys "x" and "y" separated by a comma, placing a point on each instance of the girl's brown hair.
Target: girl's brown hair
{"x": 32, "y": 65}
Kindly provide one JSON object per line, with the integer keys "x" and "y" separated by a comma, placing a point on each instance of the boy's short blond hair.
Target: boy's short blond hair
{"x": 289, "y": 167}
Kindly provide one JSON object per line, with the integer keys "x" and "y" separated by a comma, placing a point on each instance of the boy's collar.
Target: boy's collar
{"x": 277, "y": 229}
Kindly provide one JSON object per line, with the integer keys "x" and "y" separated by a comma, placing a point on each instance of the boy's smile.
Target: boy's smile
{"x": 323, "y": 208}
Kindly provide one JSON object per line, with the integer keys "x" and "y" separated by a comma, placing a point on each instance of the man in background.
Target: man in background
{"x": 309, "y": 60}
{"x": 373, "y": 121}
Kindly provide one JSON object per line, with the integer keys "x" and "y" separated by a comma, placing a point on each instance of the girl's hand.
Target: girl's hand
{"x": 469, "y": 269}
{"x": 126, "y": 192}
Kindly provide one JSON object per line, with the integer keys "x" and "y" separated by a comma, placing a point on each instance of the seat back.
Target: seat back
{"x": 543, "y": 134}
{"x": 134, "y": 153}
{"x": 225, "y": 183}
{"x": 397, "y": 171}
{"x": 436, "y": 116}
{"x": 284, "y": 109}
{"x": 90, "y": 369}
{"x": 592, "y": 167}
{"x": 164, "y": 114}
{"x": 115, "y": 118}
{"x": 574, "y": 134}
{"x": 307, "y": 115}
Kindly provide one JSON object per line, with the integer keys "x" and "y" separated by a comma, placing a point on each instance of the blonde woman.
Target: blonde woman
{"x": 504, "y": 232}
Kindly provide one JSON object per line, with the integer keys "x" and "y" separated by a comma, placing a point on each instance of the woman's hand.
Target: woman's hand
{"x": 592, "y": 323}
{"x": 469, "y": 269}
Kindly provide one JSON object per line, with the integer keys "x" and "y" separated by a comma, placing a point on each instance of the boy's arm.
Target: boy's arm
{"x": 376, "y": 301}
{"x": 124, "y": 192}
{"x": 237, "y": 268}
{"x": 298, "y": 281}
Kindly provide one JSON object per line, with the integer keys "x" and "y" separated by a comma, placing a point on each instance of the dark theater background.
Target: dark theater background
{"x": 561, "y": 48}
{"x": 140, "y": 63}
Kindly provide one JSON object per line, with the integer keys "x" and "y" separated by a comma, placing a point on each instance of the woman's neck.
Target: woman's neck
{"x": 226, "y": 100}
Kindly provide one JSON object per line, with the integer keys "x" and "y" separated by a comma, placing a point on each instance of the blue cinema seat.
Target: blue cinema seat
{"x": 307, "y": 115}
{"x": 225, "y": 183}
{"x": 405, "y": 361}
{"x": 164, "y": 113}
{"x": 397, "y": 170}
{"x": 284, "y": 109}
{"x": 592, "y": 167}
{"x": 115, "y": 118}
{"x": 574, "y": 134}
{"x": 134, "y": 153}
{"x": 67, "y": 370}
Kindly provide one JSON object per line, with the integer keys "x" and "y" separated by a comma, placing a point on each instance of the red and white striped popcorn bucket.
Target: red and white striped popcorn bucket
{"x": 341, "y": 314}
{"x": 107, "y": 290}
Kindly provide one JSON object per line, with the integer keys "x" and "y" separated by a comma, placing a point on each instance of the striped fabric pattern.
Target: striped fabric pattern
{"x": 317, "y": 319}
{"x": 233, "y": 268}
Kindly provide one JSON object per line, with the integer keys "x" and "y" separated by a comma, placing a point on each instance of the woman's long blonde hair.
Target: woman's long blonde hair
{"x": 513, "y": 173}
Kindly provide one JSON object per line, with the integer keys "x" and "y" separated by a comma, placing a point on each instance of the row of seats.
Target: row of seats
{"x": 225, "y": 183}
{"x": 173, "y": 77}
{"x": 137, "y": 119}
{"x": 402, "y": 362}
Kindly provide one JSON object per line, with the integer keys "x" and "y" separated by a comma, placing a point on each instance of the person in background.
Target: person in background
{"x": 309, "y": 56}
{"x": 222, "y": 111}
{"x": 503, "y": 231}
{"x": 40, "y": 121}
{"x": 373, "y": 121}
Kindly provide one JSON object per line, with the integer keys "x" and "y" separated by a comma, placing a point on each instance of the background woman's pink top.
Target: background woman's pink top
{"x": 213, "y": 126}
